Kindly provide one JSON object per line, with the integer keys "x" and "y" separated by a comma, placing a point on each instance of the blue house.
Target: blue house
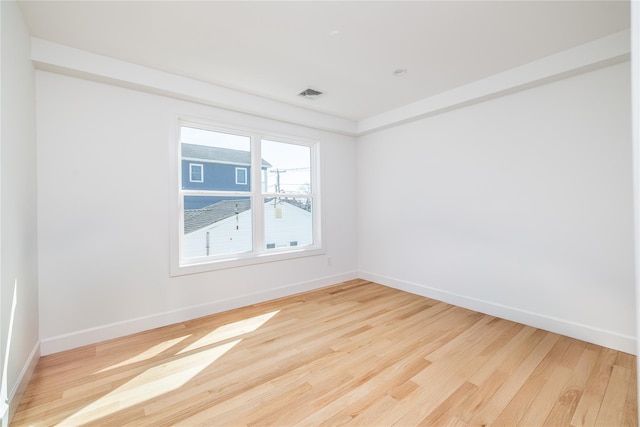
{"x": 215, "y": 168}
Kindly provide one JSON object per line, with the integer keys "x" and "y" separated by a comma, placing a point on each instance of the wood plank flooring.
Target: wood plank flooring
{"x": 354, "y": 353}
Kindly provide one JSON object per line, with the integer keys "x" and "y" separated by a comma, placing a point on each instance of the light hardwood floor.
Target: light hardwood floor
{"x": 353, "y": 353}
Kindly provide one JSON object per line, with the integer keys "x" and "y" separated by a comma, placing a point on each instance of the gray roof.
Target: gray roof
{"x": 217, "y": 154}
{"x": 195, "y": 219}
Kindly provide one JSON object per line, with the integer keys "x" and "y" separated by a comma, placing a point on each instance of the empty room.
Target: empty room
{"x": 378, "y": 213}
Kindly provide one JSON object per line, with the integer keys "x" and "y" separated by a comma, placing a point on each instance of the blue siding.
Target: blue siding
{"x": 216, "y": 176}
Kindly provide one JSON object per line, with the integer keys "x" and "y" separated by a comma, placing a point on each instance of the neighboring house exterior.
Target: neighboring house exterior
{"x": 225, "y": 227}
{"x": 215, "y": 168}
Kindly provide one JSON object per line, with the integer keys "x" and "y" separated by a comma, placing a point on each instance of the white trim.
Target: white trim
{"x": 192, "y": 167}
{"x": 635, "y": 131}
{"x": 178, "y": 265}
{"x": 62, "y": 59}
{"x": 127, "y": 327}
{"x": 176, "y": 221}
{"x": 245, "y": 259}
{"x": 15, "y": 396}
{"x": 214, "y": 193}
{"x": 57, "y": 58}
{"x": 610, "y": 339}
{"x": 246, "y": 175}
{"x": 579, "y": 331}
{"x": 257, "y": 219}
{"x": 635, "y": 137}
{"x": 213, "y": 162}
{"x": 599, "y": 53}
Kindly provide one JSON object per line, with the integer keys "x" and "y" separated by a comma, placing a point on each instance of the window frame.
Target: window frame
{"x": 246, "y": 176}
{"x": 260, "y": 253}
{"x": 191, "y": 169}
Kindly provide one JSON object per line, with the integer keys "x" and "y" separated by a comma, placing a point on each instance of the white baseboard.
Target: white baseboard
{"x": 16, "y": 393}
{"x": 583, "y": 332}
{"x": 132, "y": 326}
{"x": 613, "y": 340}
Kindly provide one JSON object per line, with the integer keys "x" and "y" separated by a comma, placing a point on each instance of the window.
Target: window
{"x": 195, "y": 172}
{"x": 241, "y": 176}
{"x": 260, "y": 202}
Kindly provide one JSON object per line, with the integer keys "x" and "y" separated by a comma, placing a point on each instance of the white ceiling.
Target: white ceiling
{"x": 348, "y": 50}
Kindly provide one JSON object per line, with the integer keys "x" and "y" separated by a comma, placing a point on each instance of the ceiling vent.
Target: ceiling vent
{"x": 310, "y": 93}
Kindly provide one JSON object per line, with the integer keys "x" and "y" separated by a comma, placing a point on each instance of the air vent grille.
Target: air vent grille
{"x": 310, "y": 93}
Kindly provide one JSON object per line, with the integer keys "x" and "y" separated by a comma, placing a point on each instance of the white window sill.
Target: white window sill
{"x": 202, "y": 266}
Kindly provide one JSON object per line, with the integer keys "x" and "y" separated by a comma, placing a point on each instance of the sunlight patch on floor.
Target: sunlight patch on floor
{"x": 152, "y": 383}
{"x": 147, "y": 354}
{"x": 231, "y": 330}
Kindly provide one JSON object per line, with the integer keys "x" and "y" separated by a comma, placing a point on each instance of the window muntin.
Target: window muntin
{"x": 268, "y": 209}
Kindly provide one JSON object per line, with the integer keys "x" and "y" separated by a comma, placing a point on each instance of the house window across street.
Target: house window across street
{"x": 241, "y": 176}
{"x": 195, "y": 172}
{"x": 259, "y": 201}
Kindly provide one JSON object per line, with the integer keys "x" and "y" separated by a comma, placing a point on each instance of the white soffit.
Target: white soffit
{"x": 54, "y": 57}
{"x": 606, "y": 51}
{"x": 61, "y": 59}
{"x": 348, "y": 50}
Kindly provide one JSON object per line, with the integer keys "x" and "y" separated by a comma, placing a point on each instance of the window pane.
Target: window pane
{"x": 219, "y": 154}
{"x": 195, "y": 170}
{"x": 288, "y": 222}
{"x": 288, "y": 169}
{"x": 241, "y": 175}
{"x": 221, "y": 227}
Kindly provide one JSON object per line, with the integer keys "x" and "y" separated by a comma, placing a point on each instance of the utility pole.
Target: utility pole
{"x": 275, "y": 199}
{"x": 278, "y": 172}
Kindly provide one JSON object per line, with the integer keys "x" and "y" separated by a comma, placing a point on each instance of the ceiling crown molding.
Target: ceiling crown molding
{"x": 602, "y": 52}
{"x": 599, "y": 53}
{"x": 50, "y": 56}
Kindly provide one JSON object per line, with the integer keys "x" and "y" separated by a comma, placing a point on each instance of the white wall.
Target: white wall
{"x": 520, "y": 206}
{"x": 635, "y": 125}
{"x": 103, "y": 215}
{"x": 18, "y": 263}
